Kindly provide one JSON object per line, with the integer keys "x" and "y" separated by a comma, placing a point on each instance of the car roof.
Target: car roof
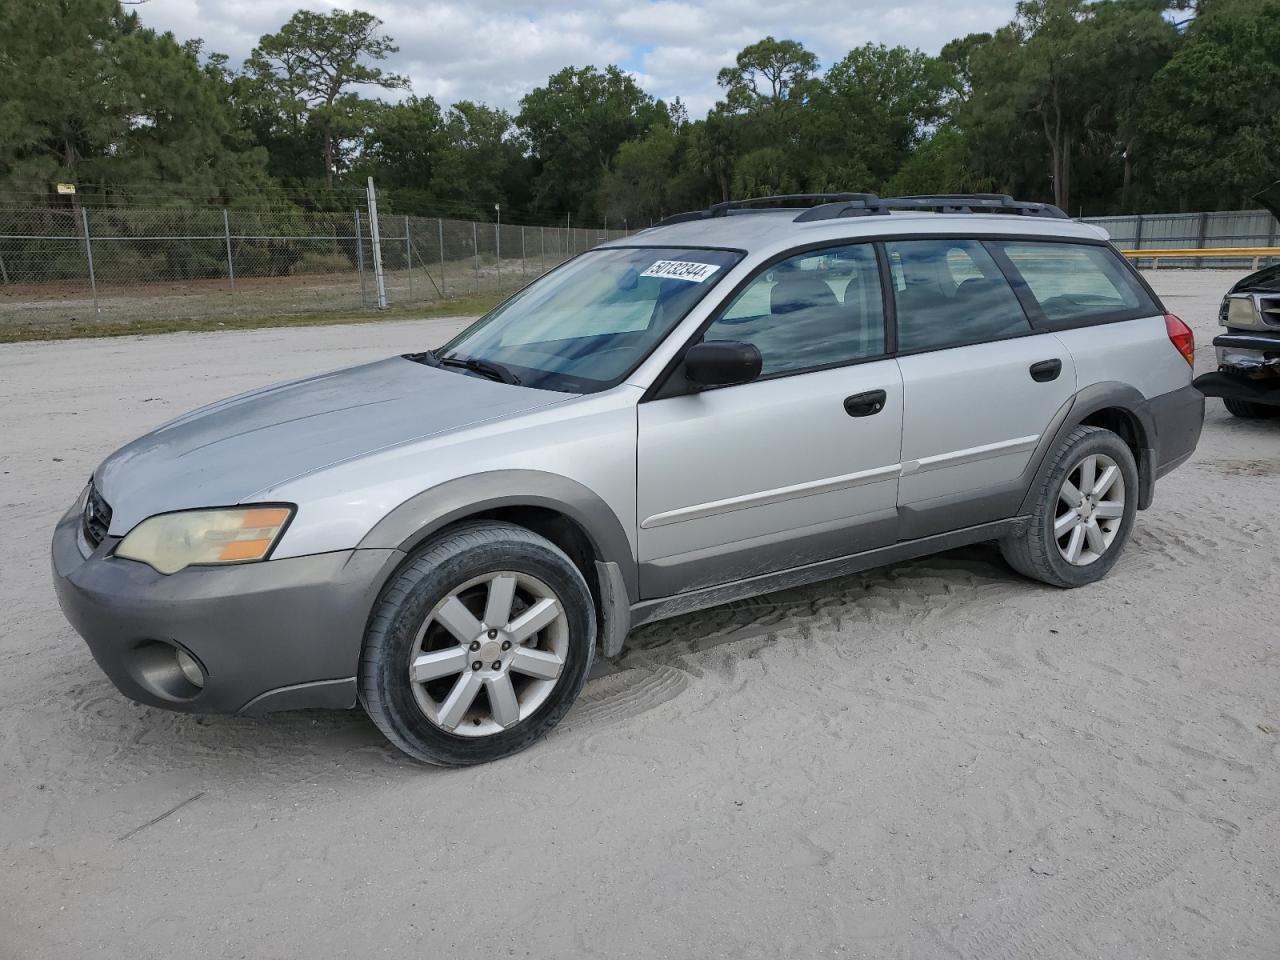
{"x": 767, "y": 232}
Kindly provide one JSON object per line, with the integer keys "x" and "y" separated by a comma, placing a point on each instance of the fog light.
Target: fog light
{"x": 190, "y": 669}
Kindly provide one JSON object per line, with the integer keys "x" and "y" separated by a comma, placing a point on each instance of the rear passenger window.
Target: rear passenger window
{"x": 820, "y": 308}
{"x": 950, "y": 292}
{"x": 1078, "y": 283}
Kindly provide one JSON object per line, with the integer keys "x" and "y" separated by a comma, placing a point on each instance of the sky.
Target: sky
{"x": 495, "y": 51}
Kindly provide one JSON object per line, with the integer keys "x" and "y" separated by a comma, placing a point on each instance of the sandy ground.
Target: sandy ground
{"x": 935, "y": 759}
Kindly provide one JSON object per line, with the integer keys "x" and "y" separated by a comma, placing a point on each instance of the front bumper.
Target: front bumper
{"x": 281, "y": 634}
{"x": 1248, "y": 368}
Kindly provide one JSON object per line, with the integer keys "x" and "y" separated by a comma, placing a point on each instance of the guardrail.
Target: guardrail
{"x": 1155, "y": 255}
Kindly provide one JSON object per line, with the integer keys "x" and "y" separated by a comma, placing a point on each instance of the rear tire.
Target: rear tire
{"x": 449, "y": 687}
{"x": 1248, "y": 410}
{"x": 1075, "y": 535}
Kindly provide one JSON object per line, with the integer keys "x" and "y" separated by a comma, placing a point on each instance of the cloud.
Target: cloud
{"x": 495, "y": 51}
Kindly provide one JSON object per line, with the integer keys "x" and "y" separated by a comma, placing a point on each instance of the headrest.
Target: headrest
{"x": 793, "y": 292}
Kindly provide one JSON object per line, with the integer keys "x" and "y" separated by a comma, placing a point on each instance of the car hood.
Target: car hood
{"x": 229, "y": 451}
{"x": 1266, "y": 280}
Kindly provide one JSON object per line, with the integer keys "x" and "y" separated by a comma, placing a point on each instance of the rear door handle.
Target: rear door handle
{"x": 865, "y": 404}
{"x": 1046, "y": 370}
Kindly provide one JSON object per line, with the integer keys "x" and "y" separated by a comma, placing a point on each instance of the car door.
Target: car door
{"x": 980, "y": 388}
{"x": 797, "y": 466}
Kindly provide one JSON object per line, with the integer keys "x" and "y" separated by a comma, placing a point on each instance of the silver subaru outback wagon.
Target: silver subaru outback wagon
{"x": 736, "y": 401}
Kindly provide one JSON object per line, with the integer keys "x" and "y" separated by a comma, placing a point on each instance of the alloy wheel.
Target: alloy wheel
{"x": 1090, "y": 509}
{"x": 489, "y": 654}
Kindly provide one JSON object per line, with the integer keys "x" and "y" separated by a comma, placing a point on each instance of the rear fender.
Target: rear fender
{"x": 1090, "y": 400}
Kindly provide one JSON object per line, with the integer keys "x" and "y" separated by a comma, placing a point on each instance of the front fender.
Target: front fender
{"x": 412, "y": 522}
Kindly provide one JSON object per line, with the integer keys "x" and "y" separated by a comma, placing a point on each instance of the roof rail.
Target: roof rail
{"x": 729, "y": 206}
{"x": 939, "y": 203}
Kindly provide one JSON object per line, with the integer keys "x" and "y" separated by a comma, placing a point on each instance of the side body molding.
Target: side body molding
{"x": 411, "y": 523}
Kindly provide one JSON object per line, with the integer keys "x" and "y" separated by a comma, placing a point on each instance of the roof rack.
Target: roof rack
{"x": 745, "y": 206}
{"x": 832, "y": 206}
{"x": 870, "y": 205}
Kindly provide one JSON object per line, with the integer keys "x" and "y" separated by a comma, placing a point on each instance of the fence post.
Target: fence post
{"x": 226, "y": 232}
{"x": 376, "y": 246}
{"x": 475, "y": 250}
{"x": 1204, "y": 237}
{"x": 360, "y": 260}
{"x": 1137, "y": 234}
{"x": 4, "y": 274}
{"x": 440, "y": 229}
{"x": 524, "y": 247}
{"x": 88, "y": 252}
{"x": 408, "y": 254}
{"x": 543, "y": 232}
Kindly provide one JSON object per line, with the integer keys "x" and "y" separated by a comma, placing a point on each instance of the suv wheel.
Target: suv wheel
{"x": 1082, "y": 514}
{"x": 1250, "y": 410}
{"x": 478, "y": 646}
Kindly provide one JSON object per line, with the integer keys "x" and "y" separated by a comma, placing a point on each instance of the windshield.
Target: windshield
{"x": 586, "y": 325}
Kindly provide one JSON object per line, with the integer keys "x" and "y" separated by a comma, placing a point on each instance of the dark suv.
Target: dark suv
{"x": 1248, "y": 375}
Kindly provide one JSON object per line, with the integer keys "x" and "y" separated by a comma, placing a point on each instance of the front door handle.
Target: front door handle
{"x": 865, "y": 404}
{"x": 1046, "y": 370}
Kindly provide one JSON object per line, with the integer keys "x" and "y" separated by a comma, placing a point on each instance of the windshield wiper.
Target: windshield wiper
{"x": 426, "y": 356}
{"x": 486, "y": 368}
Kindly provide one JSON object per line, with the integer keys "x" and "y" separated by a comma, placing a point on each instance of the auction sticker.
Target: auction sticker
{"x": 681, "y": 270}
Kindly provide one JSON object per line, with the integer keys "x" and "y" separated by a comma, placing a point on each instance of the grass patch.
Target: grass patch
{"x": 461, "y": 307}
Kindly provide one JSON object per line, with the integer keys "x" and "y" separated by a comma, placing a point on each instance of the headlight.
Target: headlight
{"x": 171, "y": 541}
{"x": 1242, "y": 312}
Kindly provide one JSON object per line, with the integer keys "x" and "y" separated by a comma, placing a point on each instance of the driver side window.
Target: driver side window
{"x": 819, "y": 308}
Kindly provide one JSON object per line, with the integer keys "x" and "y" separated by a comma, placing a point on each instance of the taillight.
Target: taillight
{"x": 1180, "y": 335}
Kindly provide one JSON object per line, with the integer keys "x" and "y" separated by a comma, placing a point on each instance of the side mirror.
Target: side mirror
{"x": 722, "y": 363}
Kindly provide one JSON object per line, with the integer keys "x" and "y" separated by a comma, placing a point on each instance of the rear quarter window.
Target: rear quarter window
{"x": 1077, "y": 283}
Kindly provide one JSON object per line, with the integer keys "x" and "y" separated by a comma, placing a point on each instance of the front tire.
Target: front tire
{"x": 1082, "y": 514}
{"x": 1248, "y": 410}
{"x": 478, "y": 646}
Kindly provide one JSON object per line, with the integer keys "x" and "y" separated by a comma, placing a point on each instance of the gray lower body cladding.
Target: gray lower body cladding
{"x": 1178, "y": 418}
{"x": 278, "y": 635}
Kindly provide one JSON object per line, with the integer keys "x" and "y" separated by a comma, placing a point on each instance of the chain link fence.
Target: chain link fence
{"x": 77, "y": 266}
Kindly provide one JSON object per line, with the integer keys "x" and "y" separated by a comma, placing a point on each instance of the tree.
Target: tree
{"x": 481, "y": 161}
{"x": 1147, "y": 40}
{"x": 1211, "y": 115}
{"x": 575, "y": 124}
{"x": 403, "y": 142}
{"x": 109, "y": 104}
{"x": 306, "y": 70}
{"x": 874, "y": 106}
{"x": 1057, "y": 75}
{"x": 638, "y": 187}
{"x": 959, "y": 54}
{"x": 712, "y": 146}
{"x": 768, "y": 73}
{"x": 758, "y": 129}
{"x": 940, "y": 164}
{"x": 1103, "y": 105}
